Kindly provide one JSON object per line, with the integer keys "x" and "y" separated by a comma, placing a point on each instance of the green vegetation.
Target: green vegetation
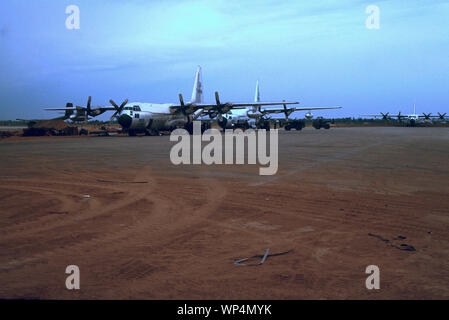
{"x": 24, "y": 123}
{"x": 13, "y": 123}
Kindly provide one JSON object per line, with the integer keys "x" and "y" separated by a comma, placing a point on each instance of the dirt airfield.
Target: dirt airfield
{"x": 139, "y": 227}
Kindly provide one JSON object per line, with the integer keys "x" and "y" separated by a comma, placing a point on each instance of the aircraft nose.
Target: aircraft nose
{"x": 125, "y": 121}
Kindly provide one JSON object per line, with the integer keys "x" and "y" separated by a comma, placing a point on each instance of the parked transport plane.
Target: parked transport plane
{"x": 411, "y": 119}
{"x": 151, "y": 118}
{"x": 256, "y": 117}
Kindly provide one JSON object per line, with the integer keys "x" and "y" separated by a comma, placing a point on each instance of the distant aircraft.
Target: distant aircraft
{"x": 81, "y": 114}
{"x": 411, "y": 118}
{"x": 258, "y": 117}
{"x": 150, "y": 118}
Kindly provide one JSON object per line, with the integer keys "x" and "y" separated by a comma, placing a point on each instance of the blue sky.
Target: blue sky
{"x": 317, "y": 52}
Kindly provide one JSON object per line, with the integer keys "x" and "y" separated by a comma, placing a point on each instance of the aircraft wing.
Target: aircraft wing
{"x": 388, "y": 116}
{"x": 212, "y": 106}
{"x": 198, "y": 106}
{"x": 260, "y": 104}
{"x": 297, "y": 109}
{"x": 315, "y": 108}
{"x": 60, "y": 109}
{"x": 79, "y": 108}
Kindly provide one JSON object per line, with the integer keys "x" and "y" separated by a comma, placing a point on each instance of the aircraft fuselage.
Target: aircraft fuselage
{"x": 136, "y": 117}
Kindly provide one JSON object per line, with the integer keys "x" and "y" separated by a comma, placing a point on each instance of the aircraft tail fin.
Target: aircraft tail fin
{"x": 257, "y": 95}
{"x": 197, "y": 93}
{"x": 68, "y": 113}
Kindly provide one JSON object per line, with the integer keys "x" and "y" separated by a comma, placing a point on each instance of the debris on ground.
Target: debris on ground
{"x": 263, "y": 257}
{"x": 110, "y": 181}
{"x": 402, "y": 246}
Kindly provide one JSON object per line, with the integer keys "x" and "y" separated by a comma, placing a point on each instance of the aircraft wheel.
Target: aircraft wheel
{"x": 189, "y": 127}
{"x": 204, "y": 126}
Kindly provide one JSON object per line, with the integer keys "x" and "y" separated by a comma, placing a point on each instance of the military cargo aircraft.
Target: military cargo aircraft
{"x": 150, "y": 118}
{"x": 81, "y": 114}
{"x": 411, "y": 119}
{"x": 257, "y": 117}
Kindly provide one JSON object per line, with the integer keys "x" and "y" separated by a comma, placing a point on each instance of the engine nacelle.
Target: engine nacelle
{"x": 225, "y": 108}
{"x": 253, "y": 115}
{"x": 309, "y": 115}
{"x": 222, "y": 122}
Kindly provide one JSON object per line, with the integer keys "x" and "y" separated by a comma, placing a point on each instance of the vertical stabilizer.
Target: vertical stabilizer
{"x": 256, "y": 96}
{"x": 69, "y": 112}
{"x": 197, "y": 93}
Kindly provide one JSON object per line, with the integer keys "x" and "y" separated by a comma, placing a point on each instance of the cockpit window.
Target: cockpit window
{"x": 136, "y": 108}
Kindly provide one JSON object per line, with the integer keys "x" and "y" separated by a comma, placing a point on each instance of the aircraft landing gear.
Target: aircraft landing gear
{"x": 152, "y": 132}
{"x": 222, "y": 123}
{"x": 241, "y": 125}
{"x": 204, "y": 126}
{"x": 188, "y": 126}
{"x": 264, "y": 124}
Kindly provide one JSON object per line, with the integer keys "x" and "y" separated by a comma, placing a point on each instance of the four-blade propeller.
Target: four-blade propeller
{"x": 118, "y": 109}
{"x": 221, "y": 108}
{"x": 427, "y": 116}
{"x": 441, "y": 116}
{"x": 385, "y": 115}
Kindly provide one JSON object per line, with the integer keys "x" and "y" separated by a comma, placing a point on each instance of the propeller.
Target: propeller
{"x": 287, "y": 111}
{"x": 441, "y": 116}
{"x": 88, "y": 111}
{"x": 81, "y": 113}
{"x": 212, "y": 113}
{"x": 221, "y": 108}
{"x": 222, "y": 121}
{"x": 385, "y": 115}
{"x": 118, "y": 109}
{"x": 186, "y": 109}
{"x": 88, "y": 104}
{"x": 183, "y": 106}
{"x": 427, "y": 116}
{"x": 400, "y": 115}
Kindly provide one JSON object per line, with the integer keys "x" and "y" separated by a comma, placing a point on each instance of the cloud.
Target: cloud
{"x": 320, "y": 51}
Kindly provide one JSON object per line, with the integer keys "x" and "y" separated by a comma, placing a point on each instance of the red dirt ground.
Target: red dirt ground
{"x": 176, "y": 232}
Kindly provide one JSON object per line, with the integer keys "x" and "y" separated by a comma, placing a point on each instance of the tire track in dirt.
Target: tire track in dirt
{"x": 165, "y": 209}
